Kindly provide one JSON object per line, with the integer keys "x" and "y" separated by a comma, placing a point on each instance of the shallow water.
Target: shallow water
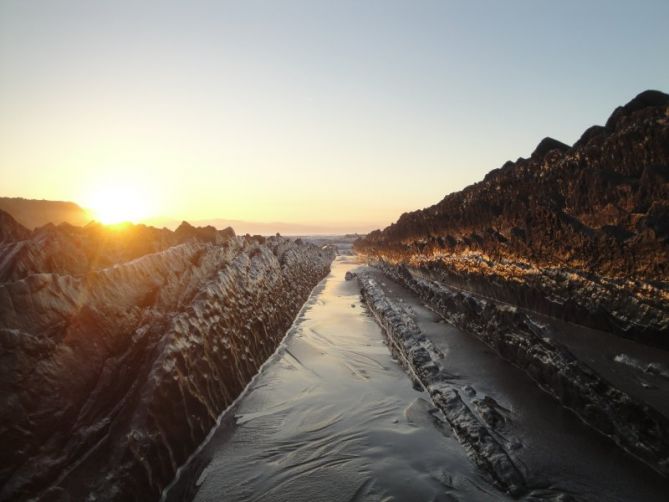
{"x": 332, "y": 417}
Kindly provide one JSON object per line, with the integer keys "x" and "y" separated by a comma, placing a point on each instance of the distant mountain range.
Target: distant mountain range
{"x": 268, "y": 228}
{"x": 33, "y": 213}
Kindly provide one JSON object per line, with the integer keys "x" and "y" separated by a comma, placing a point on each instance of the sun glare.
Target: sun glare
{"x": 117, "y": 204}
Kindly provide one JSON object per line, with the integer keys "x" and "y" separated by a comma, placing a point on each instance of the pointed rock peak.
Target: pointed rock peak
{"x": 643, "y": 100}
{"x": 10, "y": 229}
{"x": 546, "y": 145}
{"x": 589, "y": 134}
{"x": 185, "y": 227}
{"x": 185, "y": 231}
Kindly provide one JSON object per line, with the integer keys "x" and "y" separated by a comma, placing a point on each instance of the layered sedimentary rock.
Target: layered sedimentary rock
{"x": 631, "y": 423}
{"x": 422, "y": 361}
{"x": 118, "y": 355}
{"x": 10, "y": 230}
{"x": 577, "y": 232}
{"x": 68, "y": 249}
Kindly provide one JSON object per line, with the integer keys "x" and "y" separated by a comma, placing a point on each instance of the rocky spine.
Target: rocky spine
{"x": 580, "y": 233}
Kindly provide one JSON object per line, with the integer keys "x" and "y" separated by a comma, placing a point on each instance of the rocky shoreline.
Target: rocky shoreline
{"x": 112, "y": 376}
{"x": 633, "y": 425}
{"x": 574, "y": 233}
{"x": 630, "y": 308}
{"x": 421, "y": 360}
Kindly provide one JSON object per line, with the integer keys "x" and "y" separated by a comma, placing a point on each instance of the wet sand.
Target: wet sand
{"x": 333, "y": 417}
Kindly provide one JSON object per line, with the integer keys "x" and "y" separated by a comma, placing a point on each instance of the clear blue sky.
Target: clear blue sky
{"x": 307, "y": 111}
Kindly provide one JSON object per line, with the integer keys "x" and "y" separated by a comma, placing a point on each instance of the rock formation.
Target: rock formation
{"x": 11, "y": 230}
{"x": 579, "y": 232}
{"x": 631, "y": 423}
{"x": 120, "y": 348}
{"x": 421, "y": 359}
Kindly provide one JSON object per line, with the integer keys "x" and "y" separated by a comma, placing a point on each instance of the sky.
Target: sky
{"x": 336, "y": 113}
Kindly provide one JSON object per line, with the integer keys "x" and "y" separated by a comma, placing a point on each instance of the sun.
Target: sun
{"x": 118, "y": 203}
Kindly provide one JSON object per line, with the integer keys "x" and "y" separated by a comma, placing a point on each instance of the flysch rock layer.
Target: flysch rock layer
{"x": 112, "y": 374}
{"x": 580, "y": 233}
{"x": 421, "y": 359}
{"x": 633, "y": 425}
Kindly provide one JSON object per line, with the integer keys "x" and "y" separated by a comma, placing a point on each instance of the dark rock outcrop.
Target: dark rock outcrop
{"x": 118, "y": 351}
{"x": 632, "y": 424}
{"x": 581, "y": 233}
{"x": 421, "y": 359}
{"x": 547, "y": 145}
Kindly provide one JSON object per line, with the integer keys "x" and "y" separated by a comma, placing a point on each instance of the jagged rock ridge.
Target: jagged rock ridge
{"x": 577, "y": 232}
{"x": 119, "y": 353}
{"x": 421, "y": 359}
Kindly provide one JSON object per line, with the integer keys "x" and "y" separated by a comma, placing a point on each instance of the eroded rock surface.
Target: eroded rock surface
{"x": 632, "y": 424}
{"x": 118, "y": 354}
{"x": 421, "y": 359}
{"x": 580, "y": 233}
{"x": 577, "y": 233}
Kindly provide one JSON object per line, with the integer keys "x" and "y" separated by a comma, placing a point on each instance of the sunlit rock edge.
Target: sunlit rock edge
{"x": 579, "y": 233}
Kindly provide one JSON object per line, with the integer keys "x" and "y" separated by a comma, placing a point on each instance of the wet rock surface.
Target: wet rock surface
{"x": 421, "y": 360}
{"x": 557, "y": 454}
{"x": 632, "y": 424}
{"x": 574, "y": 234}
{"x": 580, "y": 233}
{"x": 119, "y": 353}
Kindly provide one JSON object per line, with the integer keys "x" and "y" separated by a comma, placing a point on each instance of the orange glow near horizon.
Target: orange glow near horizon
{"x": 310, "y": 114}
{"x": 112, "y": 204}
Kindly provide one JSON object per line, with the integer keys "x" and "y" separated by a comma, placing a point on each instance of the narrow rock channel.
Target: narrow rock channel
{"x": 334, "y": 416}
